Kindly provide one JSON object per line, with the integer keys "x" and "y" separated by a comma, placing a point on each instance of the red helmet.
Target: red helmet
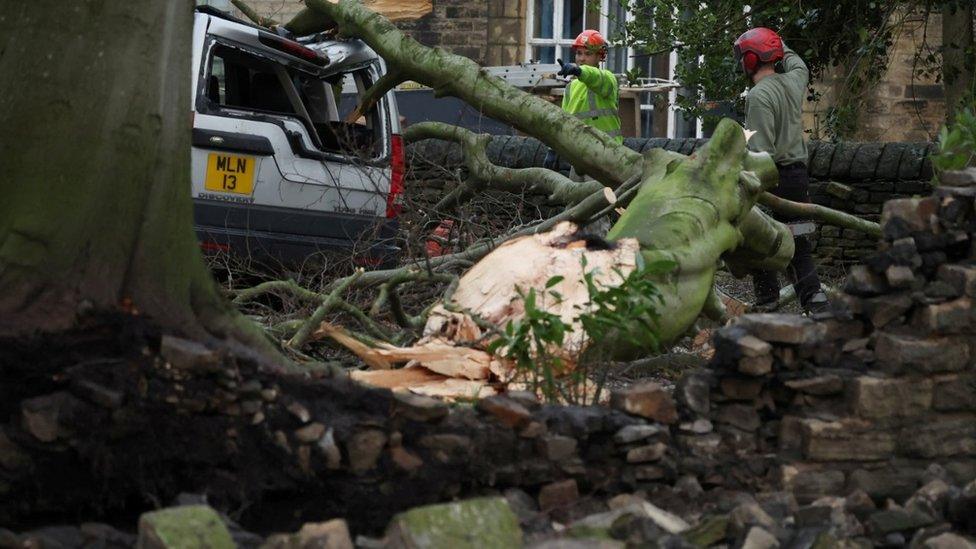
{"x": 592, "y": 41}
{"x": 757, "y": 45}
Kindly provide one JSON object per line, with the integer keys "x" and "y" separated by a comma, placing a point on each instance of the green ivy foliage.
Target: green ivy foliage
{"x": 957, "y": 142}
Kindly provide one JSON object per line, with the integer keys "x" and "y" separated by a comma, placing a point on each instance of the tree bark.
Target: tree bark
{"x": 96, "y": 211}
{"x": 958, "y": 56}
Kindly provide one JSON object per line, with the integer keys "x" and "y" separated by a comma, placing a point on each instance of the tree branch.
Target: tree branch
{"x": 253, "y": 15}
{"x": 331, "y": 301}
{"x": 483, "y": 174}
{"x": 820, "y": 213}
{"x": 375, "y": 92}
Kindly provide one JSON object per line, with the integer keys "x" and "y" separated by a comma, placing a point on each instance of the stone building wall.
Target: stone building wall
{"x": 904, "y": 105}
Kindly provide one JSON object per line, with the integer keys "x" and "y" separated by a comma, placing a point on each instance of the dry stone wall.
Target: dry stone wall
{"x": 876, "y": 395}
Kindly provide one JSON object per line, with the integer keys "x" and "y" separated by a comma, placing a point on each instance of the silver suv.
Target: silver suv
{"x": 279, "y": 166}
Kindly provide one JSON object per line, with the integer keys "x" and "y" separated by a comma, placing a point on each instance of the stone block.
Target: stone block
{"x": 756, "y": 365}
{"x": 557, "y": 447}
{"x": 650, "y": 452}
{"x": 333, "y": 534}
{"x": 954, "y": 393}
{"x": 820, "y": 385}
{"x": 862, "y": 282}
{"x": 558, "y": 494}
{"x": 896, "y": 520}
{"x": 647, "y": 399}
{"x": 812, "y": 484}
{"x": 939, "y": 437}
{"x": 737, "y": 388}
{"x": 865, "y": 162}
{"x": 900, "y": 277}
{"x": 782, "y": 328}
{"x": 897, "y": 353}
{"x": 948, "y": 540}
{"x": 952, "y": 317}
{"x": 960, "y": 277}
{"x": 873, "y": 397}
{"x": 482, "y": 522}
{"x": 839, "y": 190}
{"x": 918, "y": 213}
{"x": 845, "y": 440}
{"x": 186, "y": 527}
{"x": 840, "y": 164}
{"x": 507, "y": 411}
{"x": 364, "y": 449}
{"x": 636, "y": 433}
{"x": 958, "y": 178}
{"x": 880, "y": 484}
{"x": 741, "y": 416}
{"x": 889, "y": 161}
{"x": 911, "y": 161}
{"x": 884, "y": 309}
{"x": 821, "y": 161}
{"x": 418, "y": 407}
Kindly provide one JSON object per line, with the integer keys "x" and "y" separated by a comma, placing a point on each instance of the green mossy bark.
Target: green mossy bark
{"x": 691, "y": 213}
{"x": 96, "y": 208}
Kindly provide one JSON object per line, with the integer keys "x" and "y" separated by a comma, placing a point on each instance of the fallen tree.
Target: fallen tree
{"x": 692, "y": 212}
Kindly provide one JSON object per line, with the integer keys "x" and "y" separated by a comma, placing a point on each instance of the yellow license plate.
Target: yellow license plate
{"x": 229, "y": 173}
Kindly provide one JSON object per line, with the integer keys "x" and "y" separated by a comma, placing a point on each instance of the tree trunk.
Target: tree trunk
{"x": 958, "y": 56}
{"x": 96, "y": 210}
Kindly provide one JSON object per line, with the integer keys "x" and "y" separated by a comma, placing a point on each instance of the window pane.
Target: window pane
{"x": 617, "y": 21}
{"x": 572, "y": 17}
{"x": 544, "y": 17}
{"x": 544, "y": 54}
{"x": 617, "y": 60}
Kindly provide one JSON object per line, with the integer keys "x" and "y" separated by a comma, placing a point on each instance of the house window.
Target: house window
{"x": 554, "y": 26}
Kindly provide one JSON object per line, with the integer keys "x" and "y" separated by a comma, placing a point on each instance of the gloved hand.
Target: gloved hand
{"x": 568, "y": 69}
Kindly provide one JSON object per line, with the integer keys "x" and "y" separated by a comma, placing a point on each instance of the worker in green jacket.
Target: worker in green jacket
{"x": 592, "y": 96}
{"x": 774, "y": 112}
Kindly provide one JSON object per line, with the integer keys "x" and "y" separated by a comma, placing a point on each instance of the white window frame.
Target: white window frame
{"x": 532, "y": 42}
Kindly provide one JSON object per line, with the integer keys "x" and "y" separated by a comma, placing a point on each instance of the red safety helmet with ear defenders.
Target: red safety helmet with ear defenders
{"x": 593, "y": 41}
{"x": 755, "y": 46}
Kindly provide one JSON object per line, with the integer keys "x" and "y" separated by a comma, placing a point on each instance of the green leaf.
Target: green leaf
{"x": 554, "y": 280}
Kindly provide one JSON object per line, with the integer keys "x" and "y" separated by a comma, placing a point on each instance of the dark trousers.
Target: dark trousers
{"x": 794, "y": 184}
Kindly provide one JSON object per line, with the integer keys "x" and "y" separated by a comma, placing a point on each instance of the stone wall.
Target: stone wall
{"x": 871, "y": 397}
{"x": 853, "y": 177}
{"x": 903, "y": 105}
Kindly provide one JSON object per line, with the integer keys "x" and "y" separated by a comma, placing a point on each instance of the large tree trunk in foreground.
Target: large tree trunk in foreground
{"x": 96, "y": 209}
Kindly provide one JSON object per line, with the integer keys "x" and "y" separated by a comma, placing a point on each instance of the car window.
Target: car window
{"x": 239, "y": 80}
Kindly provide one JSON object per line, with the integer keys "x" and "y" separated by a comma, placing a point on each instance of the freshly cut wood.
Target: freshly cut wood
{"x": 490, "y": 289}
{"x": 419, "y": 380}
{"x": 434, "y": 354}
{"x": 400, "y": 378}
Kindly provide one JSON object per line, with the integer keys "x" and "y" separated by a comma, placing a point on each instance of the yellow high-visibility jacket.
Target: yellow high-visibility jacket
{"x": 593, "y": 98}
